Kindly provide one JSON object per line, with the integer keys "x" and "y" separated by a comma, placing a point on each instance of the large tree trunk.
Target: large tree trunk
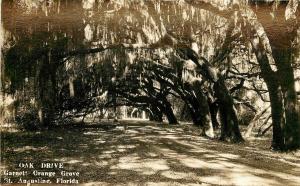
{"x": 275, "y": 94}
{"x": 230, "y": 128}
{"x": 280, "y": 83}
{"x": 204, "y": 112}
{"x": 192, "y": 104}
{"x": 185, "y": 113}
{"x": 291, "y": 128}
{"x": 283, "y": 97}
{"x": 285, "y": 109}
{"x": 155, "y": 114}
{"x": 47, "y": 91}
{"x": 168, "y": 111}
{"x": 213, "y": 108}
{"x": 229, "y": 122}
{"x": 46, "y": 103}
{"x": 197, "y": 105}
{"x": 277, "y": 116}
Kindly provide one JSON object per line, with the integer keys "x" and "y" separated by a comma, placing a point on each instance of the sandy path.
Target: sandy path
{"x": 152, "y": 155}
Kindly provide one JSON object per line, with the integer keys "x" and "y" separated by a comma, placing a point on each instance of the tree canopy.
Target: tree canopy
{"x": 219, "y": 64}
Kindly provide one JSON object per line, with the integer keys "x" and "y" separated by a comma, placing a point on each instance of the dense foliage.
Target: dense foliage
{"x": 216, "y": 64}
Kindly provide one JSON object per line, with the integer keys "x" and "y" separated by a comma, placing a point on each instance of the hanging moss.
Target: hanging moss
{"x": 29, "y": 53}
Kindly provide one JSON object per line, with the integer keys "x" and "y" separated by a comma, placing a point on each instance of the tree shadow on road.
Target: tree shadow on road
{"x": 149, "y": 154}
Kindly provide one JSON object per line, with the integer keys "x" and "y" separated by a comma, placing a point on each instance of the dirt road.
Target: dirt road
{"x": 142, "y": 154}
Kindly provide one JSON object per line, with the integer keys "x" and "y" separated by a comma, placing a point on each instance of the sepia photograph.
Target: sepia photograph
{"x": 150, "y": 92}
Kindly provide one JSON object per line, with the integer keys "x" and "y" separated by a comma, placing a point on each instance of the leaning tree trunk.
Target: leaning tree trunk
{"x": 170, "y": 115}
{"x": 168, "y": 111}
{"x": 204, "y": 112}
{"x": 213, "y": 108}
{"x": 230, "y": 126}
{"x": 197, "y": 105}
{"x": 229, "y": 122}
{"x": 155, "y": 114}
{"x": 191, "y": 103}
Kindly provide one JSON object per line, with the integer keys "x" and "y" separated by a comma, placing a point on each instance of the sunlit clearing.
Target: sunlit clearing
{"x": 144, "y": 167}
